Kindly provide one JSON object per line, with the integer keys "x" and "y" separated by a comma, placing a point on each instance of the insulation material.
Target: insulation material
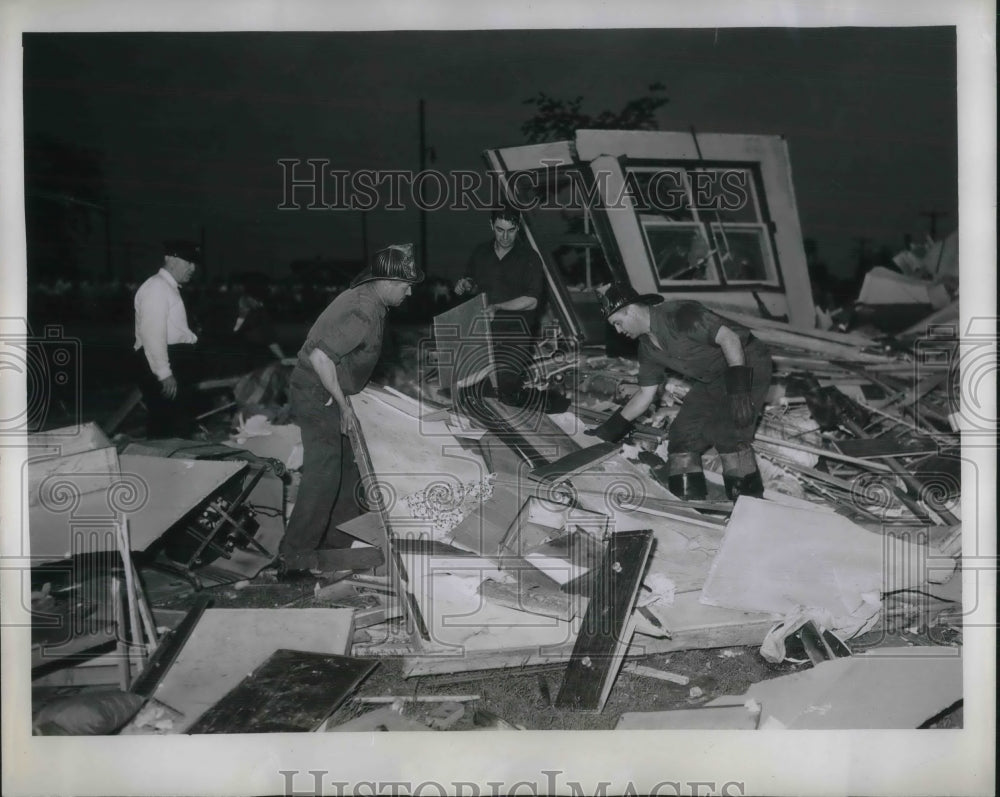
{"x": 445, "y": 505}
{"x": 781, "y": 559}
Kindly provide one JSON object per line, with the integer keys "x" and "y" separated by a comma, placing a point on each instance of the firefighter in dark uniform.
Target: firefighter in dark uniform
{"x": 730, "y": 372}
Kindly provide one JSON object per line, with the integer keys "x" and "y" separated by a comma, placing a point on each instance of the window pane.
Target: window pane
{"x": 679, "y": 252}
{"x": 724, "y": 194}
{"x": 748, "y": 257}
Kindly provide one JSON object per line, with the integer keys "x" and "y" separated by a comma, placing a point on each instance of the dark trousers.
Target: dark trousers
{"x": 168, "y": 417}
{"x": 705, "y": 419}
{"x": 323, "y": 464}
{"x": 513, "y": 353}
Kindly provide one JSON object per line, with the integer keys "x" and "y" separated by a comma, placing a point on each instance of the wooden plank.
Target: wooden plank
{"x": 821, "y": 452}
{"x": 292, "y": 691}
{"x": 575, "y": 462}
{"x": 170, "y": 646}
{"x": 605, "y": 632}
{"x": 887, "y": 446}
{"x": 535, "y": 593}
{"x": 330, "y": 560}
{"x": 229, "y": 643}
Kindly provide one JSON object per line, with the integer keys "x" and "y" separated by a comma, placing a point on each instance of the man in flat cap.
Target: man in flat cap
{"x": 730, "y": 372}
{"x": 336, "y": 361}
{"x": 164, "y": 343}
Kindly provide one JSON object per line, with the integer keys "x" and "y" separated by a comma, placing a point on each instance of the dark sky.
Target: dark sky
{"x": 191, "y": 126}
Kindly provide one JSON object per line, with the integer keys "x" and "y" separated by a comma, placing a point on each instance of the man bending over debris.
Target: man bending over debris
{"x": 336, "y": 361}
{"x": 730, "y": 371}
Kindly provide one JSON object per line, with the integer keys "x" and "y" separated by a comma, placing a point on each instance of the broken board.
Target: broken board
{"x": 885, "y": 688}
{"x": 292, "y": 691}
{"x": 605, "y": 633}
{"x": 779, "y": 559}
{"x": 575, "y": 462}
{"x": 886, "y": 447}
{"x": 226, "y": 644}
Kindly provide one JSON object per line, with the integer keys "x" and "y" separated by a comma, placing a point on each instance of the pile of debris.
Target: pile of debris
{"x": 499, "y": 538}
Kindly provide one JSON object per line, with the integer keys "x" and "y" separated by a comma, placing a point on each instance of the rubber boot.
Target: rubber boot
{"x": 685, "y": 478}
{"x": 740, "y": 474}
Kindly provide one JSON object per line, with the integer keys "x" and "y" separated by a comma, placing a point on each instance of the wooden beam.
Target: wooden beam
{"x": 575, "y": 462}
{"x": 606, "y": 630}
{"x": 169, "y": 648}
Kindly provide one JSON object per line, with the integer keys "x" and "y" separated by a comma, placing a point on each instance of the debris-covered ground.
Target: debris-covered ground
{"x": 821, "y": 414}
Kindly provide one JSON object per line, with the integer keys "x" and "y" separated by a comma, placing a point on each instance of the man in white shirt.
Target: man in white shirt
{"x": 164, "y": 342}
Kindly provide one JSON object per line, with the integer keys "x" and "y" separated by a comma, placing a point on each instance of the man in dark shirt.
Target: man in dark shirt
{"x": 336, "y": 361}
{"x": 730, "y": 372}
{"x": 510, "y": 273}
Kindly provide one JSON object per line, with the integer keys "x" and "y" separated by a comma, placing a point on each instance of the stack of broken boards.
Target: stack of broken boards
{"x": 508, "y": 578}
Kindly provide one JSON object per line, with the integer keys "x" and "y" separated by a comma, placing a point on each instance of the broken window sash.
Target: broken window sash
{"x": 703, "y": 225}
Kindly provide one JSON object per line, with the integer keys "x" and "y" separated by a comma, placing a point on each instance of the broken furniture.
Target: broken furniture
{"x": 220, "y": 510}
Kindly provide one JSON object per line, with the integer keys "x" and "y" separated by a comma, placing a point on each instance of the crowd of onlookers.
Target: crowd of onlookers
{"x": 287, "y": 300}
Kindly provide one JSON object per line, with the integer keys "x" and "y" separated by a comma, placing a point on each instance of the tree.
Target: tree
{"x": 557, "y": 119}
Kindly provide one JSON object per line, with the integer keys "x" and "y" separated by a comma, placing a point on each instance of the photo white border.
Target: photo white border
{"x": 854, "y": 762}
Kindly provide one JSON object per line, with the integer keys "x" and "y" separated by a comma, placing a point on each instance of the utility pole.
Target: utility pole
{"x": 364, "y": 236}
{"x": 423, "y": 212}
{"x": 934, "y": 215}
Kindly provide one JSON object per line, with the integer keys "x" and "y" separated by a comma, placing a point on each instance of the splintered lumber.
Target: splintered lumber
{"x": 887, "y": 446}
{"x": 532, "y": 594}
{"x": 293, "y": 690}
{"x": 652, "y": 672}
{"x": 606, "y": 629}
{"x": 937, "y": 513}
{"x": 822, "y": 452}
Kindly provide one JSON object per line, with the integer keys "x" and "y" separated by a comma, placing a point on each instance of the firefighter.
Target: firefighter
{"x": 730, "y": 372}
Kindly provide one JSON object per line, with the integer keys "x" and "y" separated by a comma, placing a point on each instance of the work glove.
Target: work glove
{"x": 614, "y": 429}
{"x": 739, "y": 379}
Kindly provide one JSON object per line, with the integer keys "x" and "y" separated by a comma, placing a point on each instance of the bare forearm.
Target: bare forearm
{"x": 518, "y": 303}
{"x": 732, "y": 347}
{"x": 326, "y": 370}
{"x": 639, "y": 403}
